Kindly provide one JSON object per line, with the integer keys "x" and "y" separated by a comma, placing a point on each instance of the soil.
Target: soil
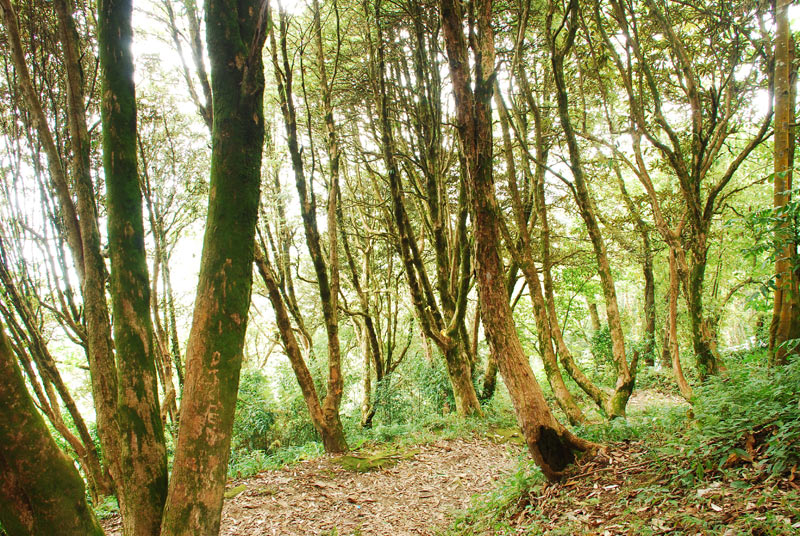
{"x": 417, "y": 496}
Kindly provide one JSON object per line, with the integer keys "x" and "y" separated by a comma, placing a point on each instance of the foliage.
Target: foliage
{"x": 250, "y": 462}
{"x": 106, "y": 508}
{"x": 254, "y": 421}
{"x": 603, "y": 354}
{"x": 752, "y": 400}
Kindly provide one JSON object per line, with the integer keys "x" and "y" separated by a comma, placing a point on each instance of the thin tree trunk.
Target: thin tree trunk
{"x": 331, "y": 433}
{"x": 674, "y": 350}
{"x": 522, "y": 252}
{"x": 327, "y": 272}
{"x": 235, "y": 36}
{"x": 625, "y": 373}
{"x": 431, "y": 320}
{"x": 82, "y": 234}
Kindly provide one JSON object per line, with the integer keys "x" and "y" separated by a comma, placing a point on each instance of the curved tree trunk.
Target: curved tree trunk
{"x": 522, "y": 252}
{"x": 332, "y": 435}
{"x": 327, "y": 271}
{"x": 625, "y": 375}
{"x": 82, "y": 234}
{"x": 235, "y": 36}
{"x": 41, "y": 493}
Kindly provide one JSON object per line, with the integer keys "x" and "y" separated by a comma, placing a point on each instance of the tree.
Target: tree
{"x": 551, "y": 445}
{"x": 325, "y": 415}
{"x": 41, "y": 493}
{"x": 235, "y": 34}
{"x": 626, "y": 372}
{"x": 704, "y": 156}
{"x": 143, "y": 468}
{"x": 785, "y": 326}
{"x": 442, "y": 320}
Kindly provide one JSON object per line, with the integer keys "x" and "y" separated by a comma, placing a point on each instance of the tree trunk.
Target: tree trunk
{"x": 327, "y": 271}
{"x": 41, "y": 493}
{"x": 594, "y": 316}
{"x": 625, "y": 375}
{"x": 430, "y": 317}
{"x": 649, "y": 348}
{"x": 331, "y": 432}
{"x": 522, "y": 252}
{"x": 143, "y": 486}
{"x": 235, "y": 36}
{"x": 677, "y": 369}
{"x": 550, "y": 444}
{"x": 707, "y": 361}
{"x": 786, "y": 308}
{"x": 82, "y": 234}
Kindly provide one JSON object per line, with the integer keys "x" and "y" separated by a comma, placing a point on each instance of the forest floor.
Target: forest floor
{"x": 412, "y": 491}
{"x": 483, "y": 484}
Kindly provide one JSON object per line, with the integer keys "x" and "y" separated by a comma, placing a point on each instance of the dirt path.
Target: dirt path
{"x": 319, "y": 497}
{"x": 414, "y": 497}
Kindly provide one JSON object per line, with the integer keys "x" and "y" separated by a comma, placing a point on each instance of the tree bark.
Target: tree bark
{"x": 522, "y": 252}
{"x": 41, "y": 493}
{"x": 550, "y": 444}
{"x": 674, "y": 351}
{"x": 143, "y": 486}
{"x": 331, "y": 432}
{"x": 235, "y": 37}
{"x": 785, "y": 324}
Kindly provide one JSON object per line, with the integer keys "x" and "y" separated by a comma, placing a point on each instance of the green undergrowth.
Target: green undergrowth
{"x": 727, "y": 466}
{"x": 381, "y": 437}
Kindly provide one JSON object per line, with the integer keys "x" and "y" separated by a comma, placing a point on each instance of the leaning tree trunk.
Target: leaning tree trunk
{"x": 327, "y": 271}
{"x": 331, "y": 432}
{"x": 522, "y": 253}
{"x": 41, "y": 493}
{"x": 550, "y": 444}
{"x": 143, "y": 470}
{"x": 235, "y": 35}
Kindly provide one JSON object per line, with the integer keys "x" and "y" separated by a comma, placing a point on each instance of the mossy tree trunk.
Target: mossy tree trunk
{"x": 551, "y": 445}
{"x": 143, "y": 484}
{"x": 41, "y": 493}
{"x": 79, "y": 219}
{"x": 672, "y": 327}
{"x": 785, "y": 324}
{"x": 328, "y": 423}
{"x": 441, "y": 324}
{"x": 235, "y": 36}
{"x": 522, "y": 252}
{"x": 560, "y": 46}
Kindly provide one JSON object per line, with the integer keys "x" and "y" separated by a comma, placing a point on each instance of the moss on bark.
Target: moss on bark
{"x": 41, "y": 493}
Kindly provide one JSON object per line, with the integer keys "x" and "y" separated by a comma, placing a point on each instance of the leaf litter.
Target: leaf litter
{"x": 406, "y": 493}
